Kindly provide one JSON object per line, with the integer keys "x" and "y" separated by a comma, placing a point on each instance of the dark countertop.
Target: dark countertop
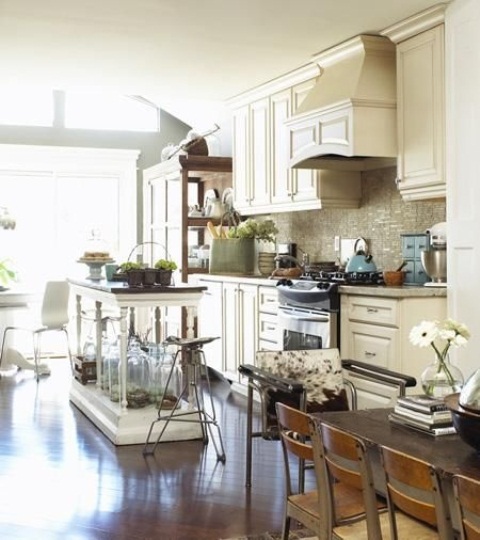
{"x": 121, "y": 287}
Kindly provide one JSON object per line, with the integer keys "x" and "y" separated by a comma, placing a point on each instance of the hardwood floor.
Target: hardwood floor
{"x": 61, "y": 478}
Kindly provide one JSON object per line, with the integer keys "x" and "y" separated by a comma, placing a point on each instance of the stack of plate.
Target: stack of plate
{"x": 266, "y": 263}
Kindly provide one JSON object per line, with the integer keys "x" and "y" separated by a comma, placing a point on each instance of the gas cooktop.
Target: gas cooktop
{"x": 344, "y": 278}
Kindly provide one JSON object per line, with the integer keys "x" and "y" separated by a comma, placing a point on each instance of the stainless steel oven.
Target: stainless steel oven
{"x": 307, "y": 328}
{"x": 308, "y": 314}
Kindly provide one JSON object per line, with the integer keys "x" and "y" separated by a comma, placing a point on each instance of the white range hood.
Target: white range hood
{"x": 348, "y": 120}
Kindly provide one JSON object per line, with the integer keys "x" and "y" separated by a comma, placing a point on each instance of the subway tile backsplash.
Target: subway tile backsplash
{"x": 382, "y": 217}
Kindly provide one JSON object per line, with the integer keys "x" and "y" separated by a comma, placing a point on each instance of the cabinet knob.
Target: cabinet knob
{"x": 370, "y": 354}
{"x": 372, "y": 310}
{"x": 398, "y": 180}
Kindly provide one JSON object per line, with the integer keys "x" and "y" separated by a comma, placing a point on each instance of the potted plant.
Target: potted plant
{"x": 165, "y": 268}
{"x": 264, "y": 233}
{"x": 7, "y": 274}
{"x": 134, "y": 272}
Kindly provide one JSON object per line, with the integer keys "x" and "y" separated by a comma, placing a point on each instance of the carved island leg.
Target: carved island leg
{"x": 79, "y": 323}
{"x": 122, "y": 369}
{"x": 98, "y": 318}
{"x": 191, "y": 314}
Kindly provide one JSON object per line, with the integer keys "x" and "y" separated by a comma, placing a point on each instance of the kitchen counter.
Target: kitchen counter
{"x": 407, "y": 291}
{"x": 393, "y": 292}
{"x": 253, "y": 280}
{"x": 120, "y": 424}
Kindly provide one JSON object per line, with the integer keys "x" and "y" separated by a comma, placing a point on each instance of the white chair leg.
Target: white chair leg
{"x": 3, "y": 343}
{"x": 36, "y": 352}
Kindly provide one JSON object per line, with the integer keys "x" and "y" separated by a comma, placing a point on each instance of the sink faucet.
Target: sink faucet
{"x": 302, "y": 265}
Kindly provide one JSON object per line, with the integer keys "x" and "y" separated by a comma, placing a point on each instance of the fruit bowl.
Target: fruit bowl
{"x": 466, "y": 422}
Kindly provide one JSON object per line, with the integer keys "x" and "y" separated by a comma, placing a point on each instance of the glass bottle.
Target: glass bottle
{"x": 112, "y": 361}
{"x": 89, "y": 350}
{"x": 138, "y": 376}
{"x": 171, "y": 379}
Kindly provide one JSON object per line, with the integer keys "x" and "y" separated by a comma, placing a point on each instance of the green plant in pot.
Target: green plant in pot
{"x": 134, "y": 272}
{"x": 165, "y": 268}
{"x": 7, "y": 273}
{"x": 264, "y": 232}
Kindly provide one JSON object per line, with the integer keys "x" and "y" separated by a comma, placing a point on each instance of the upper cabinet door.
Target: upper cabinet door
{"x": 241, "y": 152}
{"x": 260, "y": 139}
{"x": 281, "y": 174}
{"x": 421, "y": 115}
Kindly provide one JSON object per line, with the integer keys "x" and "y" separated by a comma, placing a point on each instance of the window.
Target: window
{"x": 105, "y": 111}
{"x": 57, "y": 206}
{"x": 26, "y": 107}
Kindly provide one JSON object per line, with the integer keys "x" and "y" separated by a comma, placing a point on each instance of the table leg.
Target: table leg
{"x": 78, "y": 299}
{"x": 158, "y": 327}
{"x": 122, "y": 369}
{"x": 98, "y": 317}
{"x": 191, "y": 313}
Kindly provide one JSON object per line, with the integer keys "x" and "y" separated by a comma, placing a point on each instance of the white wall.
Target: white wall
{"x": 463, "y": 182}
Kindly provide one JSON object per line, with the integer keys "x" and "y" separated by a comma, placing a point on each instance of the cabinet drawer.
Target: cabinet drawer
{"x": 408, "y": 246}
{"x": 264, "y": 345}
{"x": 373, "y": 310}
{"x": 374, "y": 345}
{"x": 268, "y": 327}
{"x": 420, "y": 244}
{"x": 268, "y": 300}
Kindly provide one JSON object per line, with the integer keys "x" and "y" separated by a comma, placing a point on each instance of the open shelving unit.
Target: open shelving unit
{"x": 169, "y": 189}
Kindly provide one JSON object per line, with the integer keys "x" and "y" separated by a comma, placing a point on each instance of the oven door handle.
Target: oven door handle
{"x": 309, "y": 317}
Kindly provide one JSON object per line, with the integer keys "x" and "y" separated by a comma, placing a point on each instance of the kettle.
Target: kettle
{"x": 361, "y": 261}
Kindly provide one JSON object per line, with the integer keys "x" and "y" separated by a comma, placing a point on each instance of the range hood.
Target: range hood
{"x": 348, "y": 120}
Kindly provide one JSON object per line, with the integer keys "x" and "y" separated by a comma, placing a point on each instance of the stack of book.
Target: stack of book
{"x": 423, "y": 413}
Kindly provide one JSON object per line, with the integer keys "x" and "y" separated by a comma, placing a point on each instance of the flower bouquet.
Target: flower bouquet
{"x": 441, "y": 377}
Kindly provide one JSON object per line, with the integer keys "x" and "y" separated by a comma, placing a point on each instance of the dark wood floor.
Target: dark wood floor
{"x": 60, "y": 478}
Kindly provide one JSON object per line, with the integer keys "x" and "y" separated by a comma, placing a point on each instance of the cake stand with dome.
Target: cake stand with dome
{"x": 96, "y": 255}
{"x": 95, "y": 266}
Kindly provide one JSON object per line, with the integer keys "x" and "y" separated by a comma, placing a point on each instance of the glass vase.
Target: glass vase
{"x": 441, "y": 378}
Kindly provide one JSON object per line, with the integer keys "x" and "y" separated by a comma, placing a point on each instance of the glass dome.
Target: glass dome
{"x": 470, "y": 395}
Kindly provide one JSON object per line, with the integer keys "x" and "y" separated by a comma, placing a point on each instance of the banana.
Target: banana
{"x": 212, "y": 230}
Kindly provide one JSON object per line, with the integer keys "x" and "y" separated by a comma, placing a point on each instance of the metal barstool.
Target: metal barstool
{"x": 190, "y": 350}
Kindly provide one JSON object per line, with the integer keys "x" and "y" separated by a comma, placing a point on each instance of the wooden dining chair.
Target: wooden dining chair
{"x": 342, "y": 465}
{"x": 416, "y": 503}
{"x": 467, "y": 504}
{"x": 307, "y": 507}
{"x": 314, "y": 508}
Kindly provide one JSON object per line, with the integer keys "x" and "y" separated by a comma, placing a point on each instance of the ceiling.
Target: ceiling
{"x": 197, "y": 52}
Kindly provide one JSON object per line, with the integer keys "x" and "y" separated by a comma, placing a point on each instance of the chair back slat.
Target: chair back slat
{"x": 346, "y": 466}
{"x": 413, "y": 486}
{"x": 467, "y": 501}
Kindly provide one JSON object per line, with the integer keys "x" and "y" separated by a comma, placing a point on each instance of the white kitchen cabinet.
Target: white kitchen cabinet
{"x": 243, "y": 312}
{"x": 251, "y": 125}
{"x": 240, "y": 327}
{"x": 375, "y": 329}
{"x": 210, "y": 313}
{"x": 241, "y": 162}
{"x": 263, "y": 180}
{"x": 259, "y": 178}
{"x": 421, "y": 104}
{"x": 269, "y": 334}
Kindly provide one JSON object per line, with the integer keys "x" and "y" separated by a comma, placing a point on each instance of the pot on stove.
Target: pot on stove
{"x": 362, "y": 260}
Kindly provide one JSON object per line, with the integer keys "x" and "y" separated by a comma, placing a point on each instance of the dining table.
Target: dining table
{"x": 448, "y": 453}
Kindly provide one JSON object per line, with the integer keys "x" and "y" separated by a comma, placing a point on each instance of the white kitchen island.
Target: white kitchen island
{"x": 120, "y": 424}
